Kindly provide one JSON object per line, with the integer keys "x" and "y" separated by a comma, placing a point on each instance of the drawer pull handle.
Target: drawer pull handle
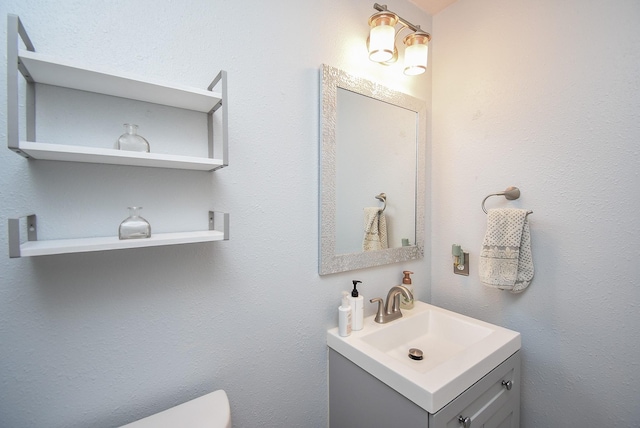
{"x": 507, "y": 384}
{"x": 465, "y": 422}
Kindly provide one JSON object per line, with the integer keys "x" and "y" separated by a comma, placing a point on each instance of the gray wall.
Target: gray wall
{"x": 106, "y": 338}
{"x": 545, "y": 95}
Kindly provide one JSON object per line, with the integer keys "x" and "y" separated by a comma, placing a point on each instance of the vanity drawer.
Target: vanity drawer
{"x": 490, "y": 402}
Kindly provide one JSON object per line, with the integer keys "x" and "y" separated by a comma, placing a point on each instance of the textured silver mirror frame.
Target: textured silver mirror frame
{"x": 330, "y": 262}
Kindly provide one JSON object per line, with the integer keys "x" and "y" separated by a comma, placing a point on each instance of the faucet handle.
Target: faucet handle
{"x": 396, "y": 302}
{"x": 380, "y": 312}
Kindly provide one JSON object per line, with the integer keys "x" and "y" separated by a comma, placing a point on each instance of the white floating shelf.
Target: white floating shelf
{"x": 52, "y": 71}
{"x": 84, "y": 245}
{"x": 33, "y": 247}
{"x": 60, "y": 152}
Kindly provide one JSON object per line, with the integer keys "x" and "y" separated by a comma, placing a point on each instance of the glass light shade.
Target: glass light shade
{"x": 381, "y": 43}
{"x": 382, "y": 36}
{"x": 416, "y": 54}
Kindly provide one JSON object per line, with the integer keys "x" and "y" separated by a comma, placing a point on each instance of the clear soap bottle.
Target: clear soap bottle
{"x": 406, "y": 281}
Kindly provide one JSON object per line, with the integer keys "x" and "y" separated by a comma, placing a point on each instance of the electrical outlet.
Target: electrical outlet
{"x": 465, "y": 268}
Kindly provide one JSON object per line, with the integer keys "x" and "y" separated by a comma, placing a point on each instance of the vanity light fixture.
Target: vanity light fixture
{"x": 382, "y": 41}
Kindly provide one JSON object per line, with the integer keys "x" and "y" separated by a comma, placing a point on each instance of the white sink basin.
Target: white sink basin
{"x": 458, "y": 351}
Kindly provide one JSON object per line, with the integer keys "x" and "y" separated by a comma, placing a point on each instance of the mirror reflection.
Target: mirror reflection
{"x": 372, "y": 143}
{"x": 372, "y": 159}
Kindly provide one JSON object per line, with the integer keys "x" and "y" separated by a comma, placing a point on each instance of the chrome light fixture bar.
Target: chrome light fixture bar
{"x": 381, "y": 43}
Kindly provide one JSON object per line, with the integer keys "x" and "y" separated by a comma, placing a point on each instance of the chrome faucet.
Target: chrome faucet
{"x": 391, "y": 310}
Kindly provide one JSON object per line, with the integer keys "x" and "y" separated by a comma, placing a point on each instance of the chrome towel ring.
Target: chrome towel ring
{"x": 382, "y": 197}
{"x": 511, "y": 193}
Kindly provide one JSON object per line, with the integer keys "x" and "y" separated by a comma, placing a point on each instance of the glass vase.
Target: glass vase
{"x": 131, "y": 141}
{"x": 134, "y": 226}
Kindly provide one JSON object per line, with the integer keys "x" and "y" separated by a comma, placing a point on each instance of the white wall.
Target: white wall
{"x": 545, "y": 95}
{"x": 101, "y": 339}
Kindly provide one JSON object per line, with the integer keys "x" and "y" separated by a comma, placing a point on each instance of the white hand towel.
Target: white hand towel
{"x": 375, "y": 230}
{"x": 505, "y": 259}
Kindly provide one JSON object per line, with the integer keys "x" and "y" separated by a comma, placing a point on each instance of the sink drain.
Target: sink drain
{"x": 416, "y": 354}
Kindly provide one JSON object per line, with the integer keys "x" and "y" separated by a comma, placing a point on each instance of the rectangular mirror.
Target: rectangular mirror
{"x": 372, "y": 141}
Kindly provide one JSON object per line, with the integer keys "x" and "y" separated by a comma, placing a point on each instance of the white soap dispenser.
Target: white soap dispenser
{"x": 344, "y": 316}
{"x": 356, "y": 301}
{"x": 406, "y": 281}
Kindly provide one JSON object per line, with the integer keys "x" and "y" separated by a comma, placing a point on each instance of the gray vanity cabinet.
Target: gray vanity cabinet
{"x": 357, "y": 399}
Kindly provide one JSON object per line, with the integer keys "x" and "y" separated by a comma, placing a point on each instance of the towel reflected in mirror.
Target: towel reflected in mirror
{"x": 375, "y": 230}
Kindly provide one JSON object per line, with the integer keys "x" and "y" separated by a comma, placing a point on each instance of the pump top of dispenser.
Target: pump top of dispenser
{"x": 345, "y": 300}
{"x": 354, "y": 292}
{"x": 407, "y": 278}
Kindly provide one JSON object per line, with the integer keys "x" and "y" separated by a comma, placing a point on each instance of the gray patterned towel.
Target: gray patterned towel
{"x": 505, "y": 258}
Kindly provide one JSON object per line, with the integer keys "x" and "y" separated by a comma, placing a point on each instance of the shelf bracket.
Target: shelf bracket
{"x": 225, "y": 223}
{"x": 221, "y": 79}
{"x": 14, "y": 233}
{"x": 15, "y": 33}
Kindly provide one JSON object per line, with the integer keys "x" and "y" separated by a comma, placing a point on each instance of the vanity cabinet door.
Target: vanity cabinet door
{"x": 357, "y": 399}
{"x": 492, "y": 402}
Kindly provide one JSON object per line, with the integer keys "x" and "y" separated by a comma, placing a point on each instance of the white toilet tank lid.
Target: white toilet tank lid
{"x": 209, "y": 411}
